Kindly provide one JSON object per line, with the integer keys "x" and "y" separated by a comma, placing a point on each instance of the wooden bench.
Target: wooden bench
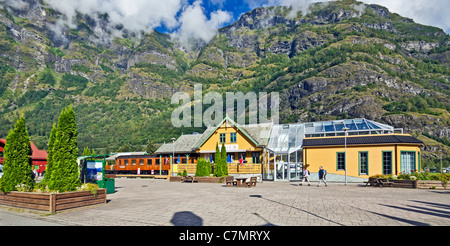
{"x": 252, "y": 182}
{"x": 230, "y": 181}
{"x": 372, "y": 182}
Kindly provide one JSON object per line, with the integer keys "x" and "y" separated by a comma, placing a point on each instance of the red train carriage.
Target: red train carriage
{"x": 139, "y": 164}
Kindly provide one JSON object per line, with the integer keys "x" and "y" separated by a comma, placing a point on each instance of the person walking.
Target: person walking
{"x": 322, "y": 176}
{"x": 305, "y": 176}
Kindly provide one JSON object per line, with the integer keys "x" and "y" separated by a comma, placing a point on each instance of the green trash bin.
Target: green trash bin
{"x": 109, "y": 185}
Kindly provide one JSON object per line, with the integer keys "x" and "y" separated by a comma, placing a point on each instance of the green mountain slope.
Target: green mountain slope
{"x": 343, "y": 59}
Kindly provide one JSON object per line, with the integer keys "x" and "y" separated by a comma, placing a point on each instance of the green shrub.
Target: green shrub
{"x": 203, "y": 168}
{"x": 93, "y": 188}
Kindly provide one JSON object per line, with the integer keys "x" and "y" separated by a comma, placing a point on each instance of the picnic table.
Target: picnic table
{"x": 189, "y": 179}
{"x": 384, "y": 182}
{"x": 378, "y": 182}
{"x": 240, "y": 182}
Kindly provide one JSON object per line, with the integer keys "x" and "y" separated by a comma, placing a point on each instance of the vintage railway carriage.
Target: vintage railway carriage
{"x": 139, "y": 164}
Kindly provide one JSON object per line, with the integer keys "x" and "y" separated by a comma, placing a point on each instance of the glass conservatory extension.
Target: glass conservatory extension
{"x": 283, "y": 153}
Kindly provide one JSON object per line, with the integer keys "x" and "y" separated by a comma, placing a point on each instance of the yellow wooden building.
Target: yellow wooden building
{"x": 280, "y": 151}
{"x": 243, "y": 143}
{"x": 363, "y": 155}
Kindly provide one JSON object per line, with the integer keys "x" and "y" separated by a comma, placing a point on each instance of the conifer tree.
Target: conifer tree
{"x": 86, "y": 151}
{"x": 17, "y": 169}
{"x": 224, "y": 163}
{"x": 64, "y": 175}
{"x": 217, "y": 162}
{"x": 51, "y": 142}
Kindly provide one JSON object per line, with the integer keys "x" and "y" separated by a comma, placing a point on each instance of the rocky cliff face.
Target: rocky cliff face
{"x": 357, "y": 84}
{"x": 342, "y": 59}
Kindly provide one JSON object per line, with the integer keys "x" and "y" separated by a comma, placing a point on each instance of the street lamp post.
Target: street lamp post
{"x": 345, "y": 129}
{"x": 173, "y": 152}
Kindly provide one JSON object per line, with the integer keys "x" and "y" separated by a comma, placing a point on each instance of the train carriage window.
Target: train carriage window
{"x": 141, "y": 162}
{"x": 149, "y": 161}
{"x": 157, "y": 161}
{"x": 133, "y": 162}
{"x": 125, "y": 162}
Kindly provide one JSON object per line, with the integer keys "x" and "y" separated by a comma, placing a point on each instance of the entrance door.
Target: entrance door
{"x": 295, "y": 166}
{"x": 281, "y": 167}
{"x": 281, "y": 170}
{"x": 295, "y": 172}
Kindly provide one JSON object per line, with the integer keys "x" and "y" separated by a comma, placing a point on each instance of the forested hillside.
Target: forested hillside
{"x": 342, "y": 59}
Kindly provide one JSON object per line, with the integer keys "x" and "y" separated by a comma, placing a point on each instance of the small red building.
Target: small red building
{"x": 38, "y": 157}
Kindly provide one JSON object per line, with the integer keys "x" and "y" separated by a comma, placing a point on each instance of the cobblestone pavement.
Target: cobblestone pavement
{"x": 141, "y": 202}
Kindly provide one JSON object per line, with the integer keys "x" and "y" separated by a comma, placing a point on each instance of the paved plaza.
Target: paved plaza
{"x": 148, "y": 202}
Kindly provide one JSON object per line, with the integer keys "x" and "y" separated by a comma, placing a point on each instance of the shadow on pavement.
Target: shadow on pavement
{"x": 186, "y": 218}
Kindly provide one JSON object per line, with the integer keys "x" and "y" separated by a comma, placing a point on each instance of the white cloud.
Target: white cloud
{"x": 297, "y": 5}
{"x": 135, "y": 15}
{"x": 194, "y": 24}
{"x": 429, "y": 12}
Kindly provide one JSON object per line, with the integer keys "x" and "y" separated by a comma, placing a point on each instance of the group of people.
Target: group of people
{"x": 37, "y": 173}
{"x": 322, "y": 176}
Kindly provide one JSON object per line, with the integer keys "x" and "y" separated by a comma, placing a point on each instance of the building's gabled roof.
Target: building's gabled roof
{"x": 229, "y": 122}
{"x": 361, "y": 140}
{"x": 257, "y": 133}
{"x": 37, "y": 153}
{"x": 184, "y": 144}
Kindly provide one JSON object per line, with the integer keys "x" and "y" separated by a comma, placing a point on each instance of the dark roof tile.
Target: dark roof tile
{"x": 376, "y": 139}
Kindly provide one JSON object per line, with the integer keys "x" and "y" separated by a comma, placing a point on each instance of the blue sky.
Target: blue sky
{"x": 234, "y": 7}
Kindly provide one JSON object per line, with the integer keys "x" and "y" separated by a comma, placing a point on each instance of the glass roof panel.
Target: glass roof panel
{"x": 373, "y": 126}
{"x": 329, "y": 127}
{"x": 351, "y": 125}
{"x": 289, "y": 137}
{"x": 339, "y": 126}
{"x": 362, "y": 125}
